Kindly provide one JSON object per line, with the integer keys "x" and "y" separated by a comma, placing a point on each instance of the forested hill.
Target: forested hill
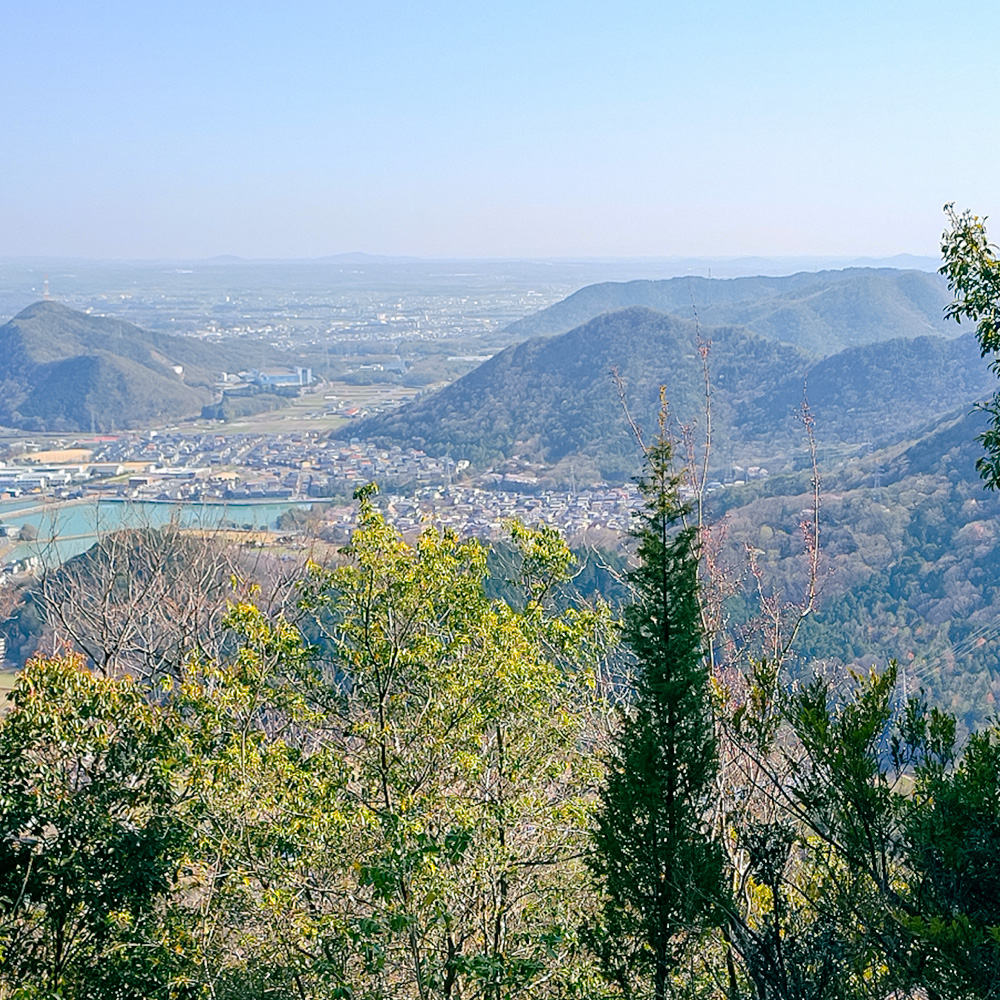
{"x": 821, "y": 312}
{"x": 61, "y": 369}
{"x": 552, "y": 399}
{"x": 909, "y": 563}
{"x": 878, "y": 392}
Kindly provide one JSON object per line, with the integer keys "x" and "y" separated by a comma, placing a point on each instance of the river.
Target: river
{"x": 66, "y": 528}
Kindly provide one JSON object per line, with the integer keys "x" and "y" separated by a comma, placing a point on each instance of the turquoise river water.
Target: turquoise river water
{"x": 68, "y": 528}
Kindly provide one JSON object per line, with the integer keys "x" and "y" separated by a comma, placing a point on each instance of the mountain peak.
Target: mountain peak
{"x": 68, "y": 370}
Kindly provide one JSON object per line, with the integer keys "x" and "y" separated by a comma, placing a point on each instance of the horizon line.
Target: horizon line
{"x": 361, "y": 257}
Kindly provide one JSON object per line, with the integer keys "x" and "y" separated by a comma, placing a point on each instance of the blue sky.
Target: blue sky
{"x": 189, "y": 129}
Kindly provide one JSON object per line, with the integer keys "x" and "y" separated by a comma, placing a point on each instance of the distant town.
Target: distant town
{"x": 305, "y": 466}
{"x": 335, "y": 342}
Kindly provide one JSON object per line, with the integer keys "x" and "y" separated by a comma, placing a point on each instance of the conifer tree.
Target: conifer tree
{"x": 653, "y": 855}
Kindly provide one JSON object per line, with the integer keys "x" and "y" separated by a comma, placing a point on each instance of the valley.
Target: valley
{"x": 536, "y": 431}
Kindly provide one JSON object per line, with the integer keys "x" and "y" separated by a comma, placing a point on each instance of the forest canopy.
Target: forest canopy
{"x": 396, "y": 791}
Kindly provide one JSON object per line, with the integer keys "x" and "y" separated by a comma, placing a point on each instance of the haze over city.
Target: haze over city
{"x": 508, "y": 130}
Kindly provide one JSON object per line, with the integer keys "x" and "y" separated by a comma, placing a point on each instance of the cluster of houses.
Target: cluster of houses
{"x": 472, "y": 511}
{"x": 179, "y": 467}
{"x": 310, "y": 465}
{"x": 300, "y": 465}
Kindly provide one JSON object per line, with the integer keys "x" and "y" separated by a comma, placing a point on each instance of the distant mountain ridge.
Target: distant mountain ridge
{"x": 61, "y": 369}
{"x": 821, "y": 312}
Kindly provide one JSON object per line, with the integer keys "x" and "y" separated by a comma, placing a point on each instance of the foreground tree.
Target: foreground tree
{"x": 880, "y": 863}
{"x": 400, "y": 810}
{"x": 265, "y": 801}
{"x": 973, "y": 272}
{"x": 462, "y": 724}
{"x": 951, "y": 839}
{"x": 142, "y": 599}
{"x": 653, "y": 855}
{"x": 91, "y": 842}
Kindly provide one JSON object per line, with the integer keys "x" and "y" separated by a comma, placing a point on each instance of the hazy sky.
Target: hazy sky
{"x": 502, "y": 128}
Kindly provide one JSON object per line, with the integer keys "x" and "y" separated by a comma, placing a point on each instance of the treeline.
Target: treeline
{"x": 421, "y": 781}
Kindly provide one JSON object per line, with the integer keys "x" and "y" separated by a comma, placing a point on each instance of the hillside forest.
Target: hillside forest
{"x": 431, "y": 769}
{"x": 394, "y": 792}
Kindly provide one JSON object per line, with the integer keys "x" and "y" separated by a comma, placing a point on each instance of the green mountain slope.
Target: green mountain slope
{"x": 821, "y": 312}
{"x": 65, "y": 370}
{"x": 910, "y": 564}
{"x": 879, "y": 392}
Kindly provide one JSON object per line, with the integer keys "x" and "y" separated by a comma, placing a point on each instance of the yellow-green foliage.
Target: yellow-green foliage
{"x": 390, "y": 795}
{"x": 398, "y": 808}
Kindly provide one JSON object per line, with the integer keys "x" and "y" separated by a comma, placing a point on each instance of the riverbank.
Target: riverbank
{"x": 64, "y": 528}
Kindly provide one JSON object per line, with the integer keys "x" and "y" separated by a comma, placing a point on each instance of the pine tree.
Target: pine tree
{"x": 653, "y": 856}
